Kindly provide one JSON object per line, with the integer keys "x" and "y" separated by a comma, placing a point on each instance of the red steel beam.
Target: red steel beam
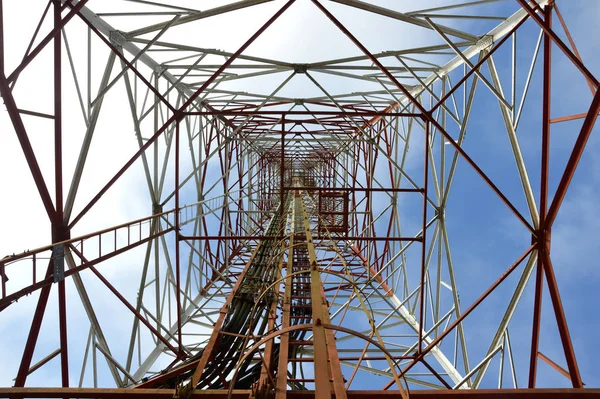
{"x": 572, "y": 43}
{"x": 55, "y": 32}
{"x": 359, "y": 189}
{"x": 568, "y": 118}
{"x": 554, "y": 365}
{"x": 235, "y": 55}
{"x": 114, "y": 393}
{"x": 282, "y": 361}
{"x": 12, "y": 258}
{"x": 481, "y": 61}
{"x": 21, "y": 132}
{"x": 131, "y": 308}
{"x": 436, "y": 374}
{"x": 33, "y": 38}
{"x": 54, "y": 214}
{"x": 34, "y": 331}
{"x": 382, "y": 113}
{"x": 334, "y": 237}
{"x": 178, "y": 114}
{"x": 201, "y": 363}
{"x": 544, "y": 180}
{"x": 58, "y": 232}
{"x": 177, "y": 239}
{"x": 474, "y": 305}
{"x": 543, "y": 234}
{"x": 565, "y": 181}
{"x": 58, "y": 220}
{"x": 548, "y": 30}
{"x": 48, "y": 280}
{"x": 561, "y": 321}
{"x": 537, "y": 314}
{"x": 424, "y": 240}
{"x": 427, "y": 114}
{"x": 127, "y": 304}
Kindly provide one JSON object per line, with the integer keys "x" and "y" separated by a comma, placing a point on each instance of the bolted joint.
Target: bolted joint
{"x": 117, "y": 38}
{"x": 156, "y": 209}
{"x": 541, "y": 237}
{"x": 300, "y": 68}
{"x": 485, "y": 43}
{"x": 60, "y": 232}
{"x": 427, "y": 116}
{"x": 299, "y": 101}
{"x": 179, "y": 115}
{"x": 159, "y": 70}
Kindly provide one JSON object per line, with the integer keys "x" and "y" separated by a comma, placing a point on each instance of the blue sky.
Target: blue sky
{"x": 484, "y": 236}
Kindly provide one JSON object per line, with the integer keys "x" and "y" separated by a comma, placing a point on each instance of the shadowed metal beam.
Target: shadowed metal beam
{"x": 404, "y": 17}
{"x": 201, "y": 15}
{"x": 559, "y": 393}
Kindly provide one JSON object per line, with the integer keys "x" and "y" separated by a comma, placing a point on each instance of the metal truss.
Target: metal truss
{"x": 290, "y": 244}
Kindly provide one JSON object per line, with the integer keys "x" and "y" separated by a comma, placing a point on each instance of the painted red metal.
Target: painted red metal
{"x": 561, "y": 45}
{"x": 333, "y": 212}
{"x": 109, "y": 393}
{"x": 177, "y": 243}
{"x": 32, "y": 162}
{"x": 129, "y": 306}
{"x": 44, "y": 42}
{"x": 424, "y": 240}
{"x": 582, "y": 138}
{"x": 453, "y": 325}
{"x": 277, "y": 163}
{"x": 59, "y": 232}
{"x": 543, "y": 232}
{"x": 34, "y": 330}
{"x": 48, "y": 280}
{"x": 426, "y": 114}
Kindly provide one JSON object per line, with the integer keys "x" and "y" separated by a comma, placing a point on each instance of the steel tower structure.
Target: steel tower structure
{"x": 293, "y": 233}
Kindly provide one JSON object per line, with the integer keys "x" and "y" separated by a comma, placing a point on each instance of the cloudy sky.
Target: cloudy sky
{"x": 485, "y": 237}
